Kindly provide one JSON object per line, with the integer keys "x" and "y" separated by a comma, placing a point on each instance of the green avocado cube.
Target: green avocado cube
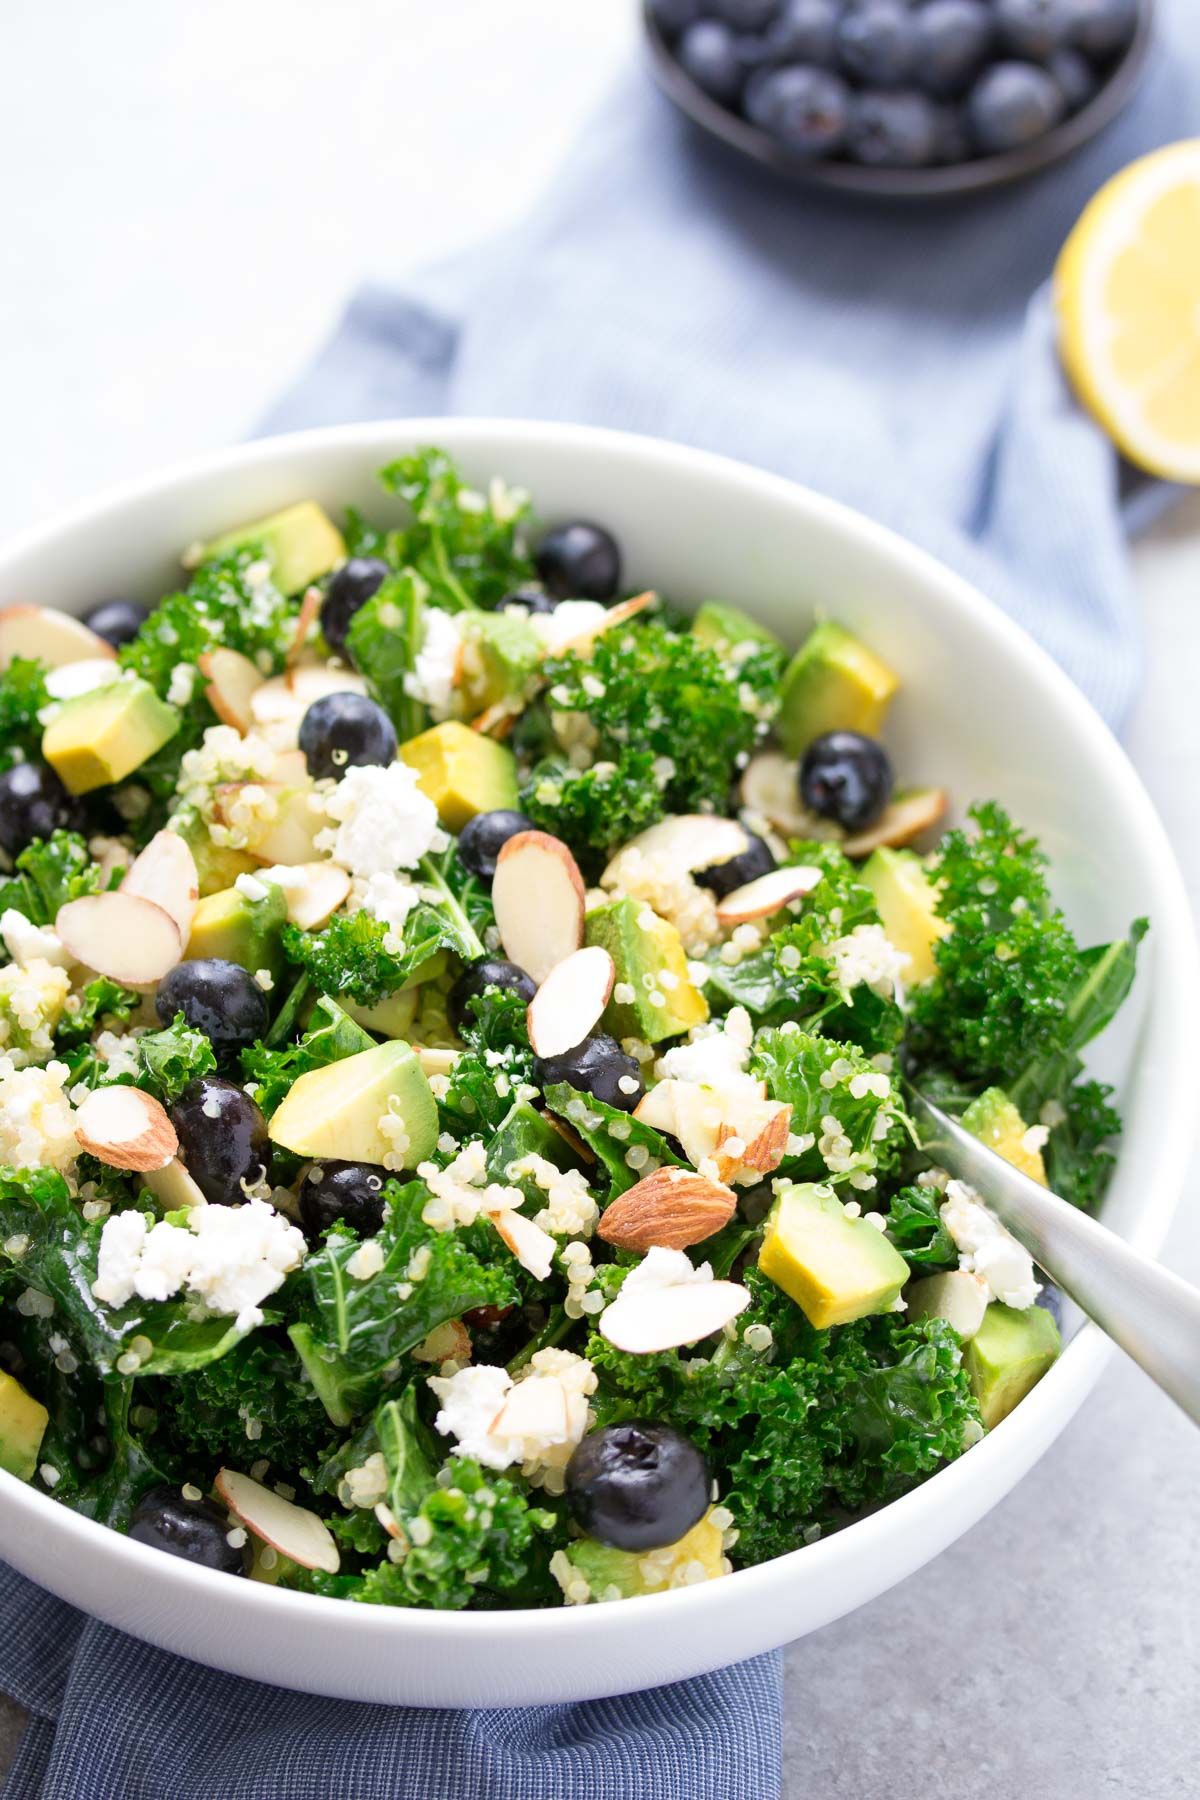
{"x": 103, "y": 736}
{"x": 463, "y": 772}
{"x": 722, "y": 627}
{"x": 237, "y": 929}
{"x": 906, "y": 901}
{"x": 611, "y": 1574}
{"x": 371, "y": 1107}
{"x": 301, "y": 543}
{"x": 1008, "y": 1356}
{"x": 217, "y": 865}
{"x": 835, "y": 1267}
{"x": 833, "y": 683}
{"x": 23, "y": 1422}
{"x": 653, "y": 995}
{"x": 501, "y": 652}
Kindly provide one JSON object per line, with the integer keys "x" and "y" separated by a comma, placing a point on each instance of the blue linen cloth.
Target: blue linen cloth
{"x": 901, "y": 360}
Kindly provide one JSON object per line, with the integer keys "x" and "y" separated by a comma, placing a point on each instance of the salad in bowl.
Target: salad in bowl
{"x": 454, "y": 1017}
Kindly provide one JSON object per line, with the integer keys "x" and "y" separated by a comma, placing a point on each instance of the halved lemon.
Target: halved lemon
{"x": 1127, "y": 293}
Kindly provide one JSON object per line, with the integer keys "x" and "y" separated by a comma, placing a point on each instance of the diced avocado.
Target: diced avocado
{"x": 724, "y": 627}
{"x": 649, "y": 958}
{"x": 833, "y": 683}
{"x": 337, "y": 1111}
{"x": 907, "y": 903}
{"x": 463, "y": 772}
{"x": 622, "y": 1574}
{"x": 500, "y": 653}
{"x": 1008, "y": 1356}
{"x": 523, "y": 1131}
{"x": 106, "y": 734}
{"x": 240, "y": 930}
{"x": 995, "y": 1121}
{"x": 957, "y": 1297}
{"x": 301, "y": 543}
{"x": 23, "y": 1422}
{"x": 836, "y": 1268}
{"x": 217, "y": 865}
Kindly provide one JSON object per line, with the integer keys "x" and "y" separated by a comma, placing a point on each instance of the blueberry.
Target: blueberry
{"x": 672, "y": 16}
{"x": 346, "y": 1193}
{"x": 534, "y": 600}
{"x": 952, "y": 143}
{"x": 804, "y": 32}
{"x": 1075, "y": 75}
{"x": 743, "y": 15}
{"x": 892, "y": 129}
{"x": 342, "y": 731}
{"x": 484, "y": 837}
{"x": 804, "y": 110}
{"x": 637, "y": 1486}
{"x": 1032, "y": 28}
{"x": 755, "y": 860}
{"x": 484, "y": 972}
{"x": 1102, "y": 27}
{"x": 708, "y": 52}
{"x": 953, "y": 39}
{"x": 579, "y": 561}
{"x": 845, "y": 776}
{"x": 217, "y": 997}
{"x": 117, "y": 621}
{"x": 33, "y": 803}
{"x": 349, "y": 589}
{"x": 223, "y": 1139}
{"x": 597, "y": 1066}
{"x": 877, "y": 43}
{"x": 193, "y": 1529}
{"x": 1011, "y": 104}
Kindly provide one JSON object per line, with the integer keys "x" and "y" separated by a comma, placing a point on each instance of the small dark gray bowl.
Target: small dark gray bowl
{"x": 944, "y": 180}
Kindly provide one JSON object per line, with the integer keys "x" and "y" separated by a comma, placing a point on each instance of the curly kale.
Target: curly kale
{"x": 220, "y": 606}
{"x": 383, "y": 642}
{"x": 22, "y": 696}
{"x": 330, "y": 1037}
{"x": 612, "y": 1134}
{"x": 822, "y": 1080}
{"x": 208, "y": 1415}
{"x": 914, "y": 1225}
{"x": 638, "y": 690}
{"x": 171, "y": 1059}
{"x": 1079, "y": 1155}
{"x": 467, "y": 546}
{"x": 497, "y": 1060}
{"x": 49, "y": 872}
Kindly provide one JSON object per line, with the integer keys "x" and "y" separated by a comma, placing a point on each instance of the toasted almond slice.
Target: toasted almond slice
{"x": 125, "y": 1129}
{"x": 762, "y": 1149}
{"x": 172, "y": 1186}
{"x": 232, "y": 681}
{"x": 672, "y": 1208}
{"x": 123, "y": 936}
{"x": 274, "y": 703}
{"x": 538, "y": 894}
{"x": 760, "y": 898}
{"x": 690, "y": 841}
{"x": 306, "y": 618}
{"x": 165, "y": 872}
{"x": 770, "y": 792}
{"x": 43, "y": 635}
{"x": 905, "y": 819}
{"x": 570, "y": 1000}
{"x": 292, "y": 1530}
{"x": 666, "y": 1318}
{"x": 315, "y": 898}
{"x": 535, "y": 1407}
{"x": 70, "y": 680}
{"x": 533, "y": 1248}
{"x": 495, "y": 721}
{"x": 307, "y": 682}
{"x": 290, "y": 769}
{"x": 615, "y": 616}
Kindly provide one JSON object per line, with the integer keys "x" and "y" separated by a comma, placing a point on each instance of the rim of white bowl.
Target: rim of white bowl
{"x": 1032, "y": 1427}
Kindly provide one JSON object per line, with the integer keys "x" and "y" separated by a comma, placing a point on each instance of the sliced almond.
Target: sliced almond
{"x": 289, "y": 836}
{"x": 905, "y": 819}
{"x": 768, "y": 894}
{"x": 70, "y": 680}
{"x": 448, "y": 1342}
{"x": 615, "y": 616}
{"x": 533, "y": 1248}
{"x": 165, "y": 872}
{"x": 656, "y": 1107}
{"x": 495, "y": 721}
{"x": 232, "y": 681}
{"x": 274, "y": 703}
{"x": 760, "y": 1150}
{"x": 123, "y": 936}
{"x": 570, "y": 1001}
{"x": 125, "y": 1129}
{"x": 172, "y": 1186}
{"x": 667, "y": 1317}
{"x": 292, "y": 1530}
{"x": 538, "y": 894}
{"x": 290, "y": 769}
{"x": 306, "y": 618}
{"x": 307, "y": 682}
{"x": 672, "y": 1208}
{"x": 535, "y": 1407}
{"x": 690, "y": 841}
{"x": 313, "y": 900}
{"x": 770, "y": 792}
{"x": 43, "y": 635}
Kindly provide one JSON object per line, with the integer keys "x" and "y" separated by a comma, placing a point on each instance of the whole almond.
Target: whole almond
{"x": 671, "y": 1209}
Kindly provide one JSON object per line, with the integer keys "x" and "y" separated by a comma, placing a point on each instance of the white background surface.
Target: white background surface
{"x": 187, "y": 196}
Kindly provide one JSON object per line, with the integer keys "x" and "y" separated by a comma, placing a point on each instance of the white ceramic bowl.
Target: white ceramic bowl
{"x": 982, "y": 710}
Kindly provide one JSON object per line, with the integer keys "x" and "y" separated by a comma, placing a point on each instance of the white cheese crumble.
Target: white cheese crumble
{"x": 27, "y": 943}
{"x": 37, "y": 1121}
{"x": 384, "y": 821}
{"x": 432, "y": 679}
{"x": 866, "y": 957}
{"x": 535, "y": 1421}
{"x": 570, "y": 619}
{"x": 229, "y": 1257}
{"x": 713, "y": 1056}
{"x": 182, "y": 684}
{"x": 389, "y": 898}
{"x": 987, "y": 1250}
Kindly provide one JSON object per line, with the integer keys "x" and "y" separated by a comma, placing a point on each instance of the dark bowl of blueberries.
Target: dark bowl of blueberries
{"x": 908, "y": 99}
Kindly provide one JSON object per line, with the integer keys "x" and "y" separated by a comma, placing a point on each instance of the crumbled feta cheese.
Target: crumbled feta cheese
{"x": 714, "y": 1056}
{"x": 384, "y": 821}
{"x": 252, "y": 887}
{"x": 27, "y": 943}
{"x": 432, "y": 679}
{"x": 37, "y": 1122}
{"x": 866, "y": 957}
{"x": 121, "y": 1244}
{"x": 229, "y": 1257}
{"x": 661, "y": 1268}
{"x": 570, "y": 619}
{"x": 987, "y": 1250}
{"x": 71, "y": 680}
{"x": 182, "y": 684}
{"x": 547, "y": 1409}
{"x": 389, "y": 898}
